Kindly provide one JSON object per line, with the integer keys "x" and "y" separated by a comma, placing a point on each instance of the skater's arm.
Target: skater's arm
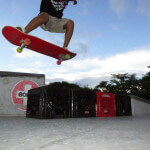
{"x": 74, "y": 1}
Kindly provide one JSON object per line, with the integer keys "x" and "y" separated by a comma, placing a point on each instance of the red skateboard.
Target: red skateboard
{"x": 23, "y": 40}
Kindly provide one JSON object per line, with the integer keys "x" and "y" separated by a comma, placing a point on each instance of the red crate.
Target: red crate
{"x": 105, "y": 104}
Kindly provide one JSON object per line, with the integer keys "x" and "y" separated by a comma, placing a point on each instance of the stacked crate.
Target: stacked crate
{"x": 48, "y": 102}
{"x": 109, "y": 105}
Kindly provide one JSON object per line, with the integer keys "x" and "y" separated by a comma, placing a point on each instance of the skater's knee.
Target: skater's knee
{"x": 44, "y": 16}
{"x": 70, "y": 23}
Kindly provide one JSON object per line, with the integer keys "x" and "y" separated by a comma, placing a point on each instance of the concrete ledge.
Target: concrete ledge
{"x": 140, "y": 99}
{"x": 16, "y": 74}
{"x": 140, "y": 106}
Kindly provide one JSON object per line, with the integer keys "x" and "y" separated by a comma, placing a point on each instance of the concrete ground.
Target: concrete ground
{"x": 118, "y": 133}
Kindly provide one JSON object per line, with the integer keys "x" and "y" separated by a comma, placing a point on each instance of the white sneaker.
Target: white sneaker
{"x": 66, "y": 48}
{"x": 21, "y": 29}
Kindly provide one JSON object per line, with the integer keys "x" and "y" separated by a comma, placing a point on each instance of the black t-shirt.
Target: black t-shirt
{"x": 53, "y": 7}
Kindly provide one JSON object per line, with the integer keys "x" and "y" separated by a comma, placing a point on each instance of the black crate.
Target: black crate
{"x": 84, "y": 102}
{"x": 50, "y": 102}
{"x": 123, "y": 105}
{"x": 47, "y": 102}
{"x": 35, "y": 99}
{"x": 60, "y": 100}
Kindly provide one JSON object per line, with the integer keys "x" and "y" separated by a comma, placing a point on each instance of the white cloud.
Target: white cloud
{"x": 25, "y": 70}
{"x": 90, "y": 71}
{"x": 119, "y": 6}
{"x": 144, "y": 7}
{"x": 89, "y": 68}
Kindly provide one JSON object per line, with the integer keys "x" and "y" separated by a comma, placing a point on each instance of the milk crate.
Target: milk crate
{"x": 123, "y": 105}
{"x": 105, "y": 105}
{"x": 84, "y": 101}
{"x": 46, "y": 102}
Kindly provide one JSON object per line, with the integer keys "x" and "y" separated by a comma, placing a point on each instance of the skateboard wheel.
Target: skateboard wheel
{"x": 58, "y": 62}
{"x": 19, "y": 50}
{"x": 27, "y": 41}
{"x": 67, "y": 56}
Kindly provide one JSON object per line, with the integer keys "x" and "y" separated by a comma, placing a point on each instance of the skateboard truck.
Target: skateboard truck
{"x": 24, "y": 44}
{"x": 63, "y": 57}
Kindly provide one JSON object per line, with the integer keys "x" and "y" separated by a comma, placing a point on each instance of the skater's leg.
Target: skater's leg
{"x": 36, "y": 22}
{"x": 69, "y": 26}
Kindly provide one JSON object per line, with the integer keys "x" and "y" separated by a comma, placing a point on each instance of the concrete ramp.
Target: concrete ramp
{"x": 140, "y": 106}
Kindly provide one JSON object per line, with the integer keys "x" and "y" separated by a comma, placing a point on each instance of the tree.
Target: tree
{"x": 64, "y": 85}
{"x": 128, "y": 84}
{"x": 102, "y": 85}
{"x": 121, "y": 84}
{"x": 145, "y": 86}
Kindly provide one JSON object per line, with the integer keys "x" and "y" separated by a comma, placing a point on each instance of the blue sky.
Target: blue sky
{"x": 110, "y": 37}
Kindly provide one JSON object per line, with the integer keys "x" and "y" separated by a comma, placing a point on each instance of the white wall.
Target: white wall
{"x": 13, "y": 91}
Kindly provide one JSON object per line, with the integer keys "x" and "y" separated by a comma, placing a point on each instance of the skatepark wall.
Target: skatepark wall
{"x": 140, "y": 106}
{"x": 14, "y": 87}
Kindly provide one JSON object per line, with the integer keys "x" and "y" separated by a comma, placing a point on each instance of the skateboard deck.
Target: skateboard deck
{"x": 36, "y": 44}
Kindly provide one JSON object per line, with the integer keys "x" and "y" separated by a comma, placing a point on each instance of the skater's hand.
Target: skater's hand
{"x": 74, "y": 2}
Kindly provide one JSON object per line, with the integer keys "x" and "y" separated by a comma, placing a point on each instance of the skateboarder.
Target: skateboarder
{"x": 50, "y": 19}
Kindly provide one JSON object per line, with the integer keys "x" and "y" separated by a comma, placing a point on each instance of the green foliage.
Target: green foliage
{"x": 128, "y": 84}
{"x": 145, "y": 86}
{"x": 120, "y": 84}
{"x": 64, "y": 85}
